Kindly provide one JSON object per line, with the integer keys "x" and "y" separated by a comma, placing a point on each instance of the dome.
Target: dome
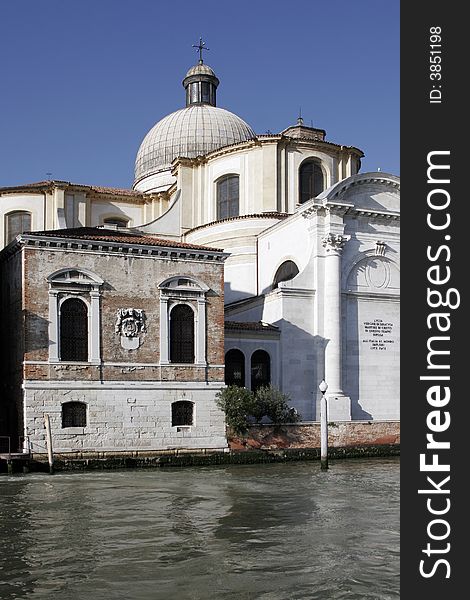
{"x": 200, "y": 69}
{"x": 189, "y": 132}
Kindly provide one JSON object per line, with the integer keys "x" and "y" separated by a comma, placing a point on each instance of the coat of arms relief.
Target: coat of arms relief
{"x": 130, "y": 323}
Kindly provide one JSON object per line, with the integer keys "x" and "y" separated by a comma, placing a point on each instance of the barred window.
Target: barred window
{"x": 74, "y": 330}
{"x": 17, "y": 222}
{"x": 311, "y": 182}
{"x": 182, "y": 334}
{"x": 235, "y": 368}
{"x": 228, "y": 197}
{"x": 182, "y": 413}
{"x": 260, "y": 369}
{"x": 74, "y": 414}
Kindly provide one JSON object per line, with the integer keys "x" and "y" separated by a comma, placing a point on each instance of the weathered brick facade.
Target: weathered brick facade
{"x": 128, "y": 393}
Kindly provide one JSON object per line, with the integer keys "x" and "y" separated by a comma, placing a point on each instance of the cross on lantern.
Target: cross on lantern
{"x": 201, "y": 46}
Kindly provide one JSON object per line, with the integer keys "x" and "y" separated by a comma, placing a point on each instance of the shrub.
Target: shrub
{"x": 238, "y": 404}
{"x": 273, "y": 404}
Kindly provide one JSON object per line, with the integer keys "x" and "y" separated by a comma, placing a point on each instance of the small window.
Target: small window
{"x": 260, "y": 369}
{"x": 235, "y": 368}
{"x": 205, "y": 92}
{"x": 74, "y": 414}
{"x": 311, "y": 181}
{"x": 17, "y": 222}
{"x": 181, "y": 413}
{"x": 116, "y": 222}
{"x": 182, "y": 334}
{"x": 288, "y": 270}
{"x": 74, "y": 330}
{"x": 228, "y": 197}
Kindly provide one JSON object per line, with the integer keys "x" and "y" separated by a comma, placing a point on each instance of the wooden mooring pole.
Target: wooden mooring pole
{"x": 323, "y": 427}
{"x": 50, "y": 455}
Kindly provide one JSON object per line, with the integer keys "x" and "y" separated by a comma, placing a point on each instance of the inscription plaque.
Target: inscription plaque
{"x": 378, "y": 334}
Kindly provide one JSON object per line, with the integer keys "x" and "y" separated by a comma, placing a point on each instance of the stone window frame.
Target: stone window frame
{"x": 183, "y": 289}
{"x": 8, "y": 215}
{"x": 315, "y": 160}
{"x": 244, "y": 356}
{"x": 75, "y": 282}
{"x": 65, "y": 325}
{"x": 193, "y": 341}
{"x": 217, "y": 183}
{"x": 69, "y": 402}
{"x": 185, "y": 426}
{"x": 269, "y": 364}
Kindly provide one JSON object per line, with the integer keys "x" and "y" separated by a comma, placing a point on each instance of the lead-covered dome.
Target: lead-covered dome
{"x": 193, "y": 131}
{"x": 189, "y": 132}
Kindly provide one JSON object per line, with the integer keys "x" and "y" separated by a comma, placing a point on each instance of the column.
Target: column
{"x": 53, "y": 327}
{"x": 339, "y": 405}
{"x": 94, "y": 327}
{"x": 201, "y": 332}
{"x": 164, "y": 358}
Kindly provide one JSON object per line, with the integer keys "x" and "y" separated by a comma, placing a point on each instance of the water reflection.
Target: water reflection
{"x": 271, "y": 532}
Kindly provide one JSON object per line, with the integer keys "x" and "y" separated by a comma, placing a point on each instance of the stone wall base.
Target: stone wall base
{"x": 93, "y": 461}
{"x": 341, "y": 434}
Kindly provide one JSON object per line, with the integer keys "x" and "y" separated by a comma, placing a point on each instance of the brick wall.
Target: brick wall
{"x": 128, "y": 282}
{"x": 307, "y": 435}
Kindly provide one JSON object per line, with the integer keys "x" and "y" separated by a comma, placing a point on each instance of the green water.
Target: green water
{"x": 269, "y": 532}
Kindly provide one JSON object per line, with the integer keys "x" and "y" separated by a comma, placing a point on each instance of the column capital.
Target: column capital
{"x": 334, "y": 243}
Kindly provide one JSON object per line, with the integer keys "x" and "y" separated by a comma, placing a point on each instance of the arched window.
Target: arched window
{"x": 116, "y": 221}
{"x": 74, "y": 414}
{"x": 311, "y": 181}
{"x": 16, "y": 222}
{"x": 288, "y": 270}
{"x": 74, "y": 330}
{"x": 228, "y": 197}
{"x": 182, "y": 413}
{"x": 235, "y": 368}
{"x": 182, "y": 334}
{"x": 260, "y": 369}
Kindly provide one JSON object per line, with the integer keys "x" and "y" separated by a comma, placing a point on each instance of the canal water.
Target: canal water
{"x": 268, "y": 532}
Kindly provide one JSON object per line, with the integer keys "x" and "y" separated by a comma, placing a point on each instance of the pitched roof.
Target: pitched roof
{"x": 116, "y": 236}
{"x": 250, "y": 326}
{"x": 41, "y": 186}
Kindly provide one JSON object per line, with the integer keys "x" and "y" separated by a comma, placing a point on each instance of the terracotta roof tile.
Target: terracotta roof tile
{"x": 45, "y": 185}
{"x": 265, "y": 215}
{"x": 250, "y": 326}
{"x": 113, "y": 235}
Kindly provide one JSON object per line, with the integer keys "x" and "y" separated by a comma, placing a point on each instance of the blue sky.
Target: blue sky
{"x": 84, "y": 80}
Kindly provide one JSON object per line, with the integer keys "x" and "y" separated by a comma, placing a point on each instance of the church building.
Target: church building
{"x": 236, "y": 258}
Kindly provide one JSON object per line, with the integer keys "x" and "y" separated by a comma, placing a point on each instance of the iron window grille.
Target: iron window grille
{"x": 182, "y": 413}
{"x": 235, "y": 368}
{"x": 74, "y": 330}
{"x": 182, "y": 334}
{"x": 73, "y": 414}
{"x": 260, "y": 369}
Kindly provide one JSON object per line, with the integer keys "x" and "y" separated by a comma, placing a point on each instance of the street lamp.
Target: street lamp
{"x": 323, "y": 426}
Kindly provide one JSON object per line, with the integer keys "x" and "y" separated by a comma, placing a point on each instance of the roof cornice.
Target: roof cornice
{"x": 75, "y": 244}
{"x": 90, "y": 190}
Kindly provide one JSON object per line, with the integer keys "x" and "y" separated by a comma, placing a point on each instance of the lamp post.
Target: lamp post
{"x": 323, "y": 427}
